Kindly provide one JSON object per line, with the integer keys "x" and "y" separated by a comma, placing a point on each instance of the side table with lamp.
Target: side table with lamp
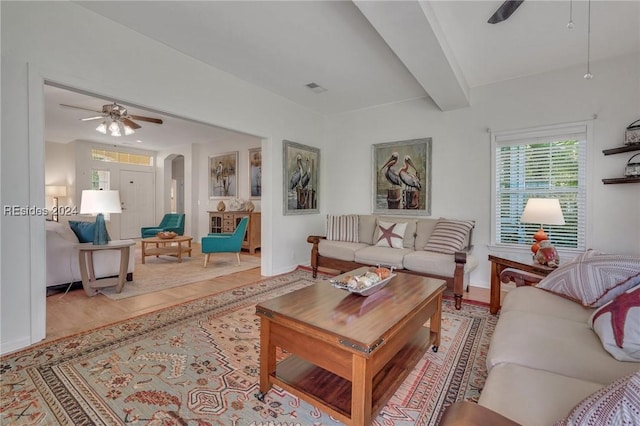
{"x": 99, "y": 202}
{"x": 545, "y": 258}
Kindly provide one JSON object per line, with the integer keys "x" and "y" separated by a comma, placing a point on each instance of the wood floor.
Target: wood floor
{"x": 74, "y": 312}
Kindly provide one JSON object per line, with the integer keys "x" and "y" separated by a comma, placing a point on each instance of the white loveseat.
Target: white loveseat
{"x": 545, "y": 359}
{"x": 412, "y": 257}
{"x": 63, "y": 265}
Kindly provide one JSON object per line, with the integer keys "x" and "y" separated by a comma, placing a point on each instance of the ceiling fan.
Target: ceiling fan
{"x": 505, "y": 10}
{"x": 116, "y": 113}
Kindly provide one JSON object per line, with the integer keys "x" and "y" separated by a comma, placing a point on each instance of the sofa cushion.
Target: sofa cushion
{"x": 593, "y": 278}
{"x": 424, "y": 228}
{"x": 617, "y": 324}
{"x": 390, "y": 234}
{"x": 532, "y": 397}
{"x": 341, "y": 250}
{"x": 83, "y": 230}
{"x": 615, "y": 404}
{"x": 436, "y": 263}
{"x": 449, "y": 236}
{"x": 409, "y": 240}
{"x": 372, "y": 255}
{"x": 556, "y": 345}
{"x": 532, "y": 299}
{"x": 366, "y": 228}
{"x": 342, "y": 228}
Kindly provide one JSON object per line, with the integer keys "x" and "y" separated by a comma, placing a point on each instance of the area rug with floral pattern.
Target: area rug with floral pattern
{"x": 198, "y": 364}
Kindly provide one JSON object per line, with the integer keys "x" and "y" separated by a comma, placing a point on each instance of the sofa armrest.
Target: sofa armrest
{"x": 521, "y": 278}
{"x": 460, "y": 257}
{"x": 314, "y": 239}
{"x": 466, "y": 413}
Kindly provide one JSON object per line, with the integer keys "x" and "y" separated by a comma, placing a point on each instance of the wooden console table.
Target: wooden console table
{"x": 89, "y": 282}
{"x": 500, "y": 263}
{"x": 363, "y": 347}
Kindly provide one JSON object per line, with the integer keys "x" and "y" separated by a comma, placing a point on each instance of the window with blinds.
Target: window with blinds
{"x": 546, "y": 163}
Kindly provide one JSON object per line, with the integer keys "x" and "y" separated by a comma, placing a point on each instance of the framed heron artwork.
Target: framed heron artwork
{"x": 223, "y": 175}
{"x": 301, "y": 164}
{"x": 402, "y": 177}
{"x": 255, "y": 173}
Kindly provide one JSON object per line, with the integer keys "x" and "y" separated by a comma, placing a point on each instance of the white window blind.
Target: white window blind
{"x": 547, "y": 163}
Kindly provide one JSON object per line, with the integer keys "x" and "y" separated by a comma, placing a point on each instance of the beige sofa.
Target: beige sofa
{"x": 543, "y": 360}
{"x": 411, "y": 258}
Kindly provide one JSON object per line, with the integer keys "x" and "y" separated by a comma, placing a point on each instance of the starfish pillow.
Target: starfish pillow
{"x": 617, "y": 324}
{"x": 390, "y": 234}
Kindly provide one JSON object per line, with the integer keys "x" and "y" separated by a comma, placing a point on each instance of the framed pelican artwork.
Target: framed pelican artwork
{"x": 301, "y": 165}
{"x": 223, "y": 176}
{"x": 402, "y": 177}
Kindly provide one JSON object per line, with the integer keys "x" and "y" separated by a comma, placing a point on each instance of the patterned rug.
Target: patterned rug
{"x": 197, "y": 364}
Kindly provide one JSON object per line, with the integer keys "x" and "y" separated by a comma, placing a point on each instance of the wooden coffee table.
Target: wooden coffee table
{"x": 170, "y": 247}
{"x": 349, "y": 353}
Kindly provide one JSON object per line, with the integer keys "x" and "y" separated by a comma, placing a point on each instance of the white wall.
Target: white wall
{"x": 66, "y": 44}
{"x": 60, "y": 170}
{"x": 461, "y": 174}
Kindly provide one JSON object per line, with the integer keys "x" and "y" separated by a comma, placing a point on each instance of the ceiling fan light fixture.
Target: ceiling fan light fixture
{"x": 102, "y": 127}
{"x": 128, "y": 131}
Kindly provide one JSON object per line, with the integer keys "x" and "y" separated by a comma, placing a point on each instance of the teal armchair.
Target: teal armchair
{"x": 225, "y": 243}
{"x": 170, "y": 222}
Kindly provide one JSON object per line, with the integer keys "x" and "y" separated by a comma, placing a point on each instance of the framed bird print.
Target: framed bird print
{"x": 223, "y": 175}
{"x": 402, "y": 177}
{"x": 301, "y": 165}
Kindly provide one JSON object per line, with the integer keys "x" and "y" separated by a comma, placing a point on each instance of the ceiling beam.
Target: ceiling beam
{"x": 413, "y": 33}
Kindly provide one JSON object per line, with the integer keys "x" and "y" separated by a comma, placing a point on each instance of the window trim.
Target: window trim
{"x": 501, "y": 137}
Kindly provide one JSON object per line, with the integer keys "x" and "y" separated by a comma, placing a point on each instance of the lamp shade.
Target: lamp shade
{"x": 545, "y": 211}
{"x": 55, "y": 190}
{"x": 98, "y": 201}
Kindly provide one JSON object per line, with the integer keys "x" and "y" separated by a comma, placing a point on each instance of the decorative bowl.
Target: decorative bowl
{"x": 340, "y": 282}
{"x": 166, "y": 235}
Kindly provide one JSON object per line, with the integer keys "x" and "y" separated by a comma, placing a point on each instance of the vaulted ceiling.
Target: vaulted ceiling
{"x": 368, "y": 53}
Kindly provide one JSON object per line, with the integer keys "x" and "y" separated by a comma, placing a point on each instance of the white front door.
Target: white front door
{"x": 137, "y": 191}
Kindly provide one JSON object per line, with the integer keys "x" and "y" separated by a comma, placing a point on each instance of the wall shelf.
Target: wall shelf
{"x": 619, "y": 150}
{"x": 621, "y": 180}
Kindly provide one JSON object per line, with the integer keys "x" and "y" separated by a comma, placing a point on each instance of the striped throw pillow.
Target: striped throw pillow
{"x": 342, "y": 228}
{"x": 449, "y": 236}
{"x": 593, "y": 278}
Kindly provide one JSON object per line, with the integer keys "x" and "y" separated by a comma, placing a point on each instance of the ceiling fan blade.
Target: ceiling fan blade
{"x": 504, "y": 11}
{"x": 130, "y": 123}
{"x": 97, "y": 117}
{"x": 77, "y": 107}
{"x": 149, "y": 119}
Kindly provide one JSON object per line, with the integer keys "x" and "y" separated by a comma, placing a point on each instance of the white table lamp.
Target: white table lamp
{"x": 98, "y": 202}
{"x": 545, "y": 211}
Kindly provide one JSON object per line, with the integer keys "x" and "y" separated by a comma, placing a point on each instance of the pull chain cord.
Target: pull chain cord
{"x": 588, "y": 75}
{"x": 570, "y": 24}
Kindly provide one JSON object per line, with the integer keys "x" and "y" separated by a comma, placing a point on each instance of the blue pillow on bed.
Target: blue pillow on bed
{"x": 83, "y": 230}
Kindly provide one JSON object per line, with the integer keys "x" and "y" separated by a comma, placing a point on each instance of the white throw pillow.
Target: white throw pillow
{"x": 342, "y": 228}
{"x": 593, "y": 278}
{"x": 389, "y": 234}
{"x": 617, "y": 324}
{"x": 615, "y": 404}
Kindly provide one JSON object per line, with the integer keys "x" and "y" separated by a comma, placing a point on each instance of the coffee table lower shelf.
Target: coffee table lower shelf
{"x": 324, "y": 389}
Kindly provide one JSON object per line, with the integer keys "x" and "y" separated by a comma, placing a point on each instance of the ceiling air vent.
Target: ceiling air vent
{"x": 315, "y": 87}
